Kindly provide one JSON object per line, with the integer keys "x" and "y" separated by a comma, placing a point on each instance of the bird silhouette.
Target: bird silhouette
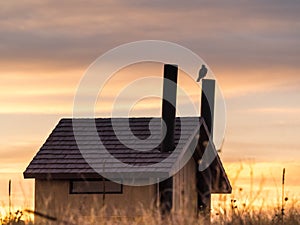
{"x": 202, "y": 72}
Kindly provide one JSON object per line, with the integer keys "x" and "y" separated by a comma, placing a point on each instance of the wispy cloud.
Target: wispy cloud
{"x": 64, "y": 34}
{"x": 273, "y": 110}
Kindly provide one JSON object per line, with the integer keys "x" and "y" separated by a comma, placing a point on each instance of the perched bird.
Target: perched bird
{"x": 202, "y": 72}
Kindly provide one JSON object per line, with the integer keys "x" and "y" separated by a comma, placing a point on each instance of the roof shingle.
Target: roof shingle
{"x": 60, "y": 151}
{"x": 60, "y": 157}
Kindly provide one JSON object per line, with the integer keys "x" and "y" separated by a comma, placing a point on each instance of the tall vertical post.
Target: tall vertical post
{"x": 204, "y": 180}
{"x": 208, "y": 103}
{"x": 169, "y": 106}
{"x": 168, "y": 141}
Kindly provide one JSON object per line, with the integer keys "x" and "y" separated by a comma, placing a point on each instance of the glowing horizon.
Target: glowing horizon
{"x": 251, "y": 46}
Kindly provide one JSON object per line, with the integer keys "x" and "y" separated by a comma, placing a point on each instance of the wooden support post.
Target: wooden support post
{"x": 204, "y": 182}
{"x": 204, "y": 178}
{"x": 204, "y": 195}
{"x": 167, "y": 144}
{"x": 166, "y": 195}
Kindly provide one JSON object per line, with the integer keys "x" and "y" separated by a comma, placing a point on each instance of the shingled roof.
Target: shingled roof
{"x": 60, "y": 157}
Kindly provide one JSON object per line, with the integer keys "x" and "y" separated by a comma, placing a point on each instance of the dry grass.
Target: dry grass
{"x": 230, "y": 216}
{"x": 227, "y": 210}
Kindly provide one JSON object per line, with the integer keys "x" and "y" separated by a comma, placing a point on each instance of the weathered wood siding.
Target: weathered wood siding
{"x": 53, "y": 198}
{"x": 184, "y": 192}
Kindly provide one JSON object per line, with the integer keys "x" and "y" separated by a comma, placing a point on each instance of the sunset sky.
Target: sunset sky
{"x": 253, "y": 48}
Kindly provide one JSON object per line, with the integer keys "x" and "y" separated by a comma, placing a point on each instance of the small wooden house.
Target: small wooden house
{"x": 65, "y": 183}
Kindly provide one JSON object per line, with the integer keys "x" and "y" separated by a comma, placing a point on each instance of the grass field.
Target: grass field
{"x": 226, "y": 210}
{"x": 234, "y": 216}
{"x": 243, "y": 206}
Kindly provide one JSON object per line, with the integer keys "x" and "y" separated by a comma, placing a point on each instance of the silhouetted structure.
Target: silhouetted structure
{"x": 63, "y": 178}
